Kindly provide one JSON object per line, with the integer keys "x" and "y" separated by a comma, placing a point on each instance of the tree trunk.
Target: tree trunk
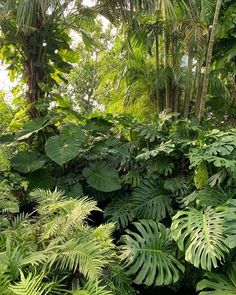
{"x": 167, "y": 100}
{"x": 34, "y": 71}
{"x": 157, "y": 70}
{"x": 34, "y": 92}
{"x": 208, "y": 59}
{"x": 198, "y": 87}
{"x": 189, "y": 86}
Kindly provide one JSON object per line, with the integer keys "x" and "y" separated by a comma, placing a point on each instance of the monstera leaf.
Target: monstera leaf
{"x": 30, "y": 127}
{"x": 219, "y": 284}
{"x": 28, "y": 161}
{"x": 102, "y": 177}
{"x": 150, "y": 201}
{"x": 148, "y": 254}
{"x": 120, "y": 211}
{"x": 66, "y": 146}
{"x": 200, "y": 235}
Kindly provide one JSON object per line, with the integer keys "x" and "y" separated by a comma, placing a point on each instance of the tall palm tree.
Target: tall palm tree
{"x": 38, "y": 32}
{"x": 209, "y": 58}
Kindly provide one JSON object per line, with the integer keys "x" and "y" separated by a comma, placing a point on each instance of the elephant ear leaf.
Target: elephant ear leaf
{"x": 148, "y": 254}
{"x": 66, "y": 146}
{"x": 28, "y": 161}
{"x": 102, "y": 177}
{"x": 30, "y": 128}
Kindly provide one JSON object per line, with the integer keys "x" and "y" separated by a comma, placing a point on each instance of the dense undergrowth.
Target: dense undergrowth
{"x": 112, "y": 206}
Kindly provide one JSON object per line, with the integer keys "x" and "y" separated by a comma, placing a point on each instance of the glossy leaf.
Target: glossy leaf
{"x": 102, "y": 177}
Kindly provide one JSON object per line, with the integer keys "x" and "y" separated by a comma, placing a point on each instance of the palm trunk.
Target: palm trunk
{"x": 165, "y": 59}
{"x": 157, "y": 71}
{"x": 198, "y": 87}
{"x": 188, "y": 89}
{"x": 208, "y": 59}
{"x": 34, "y": 72}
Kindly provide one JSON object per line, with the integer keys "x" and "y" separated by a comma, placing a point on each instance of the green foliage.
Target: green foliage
{"x": 229, "y": 223}
{"x": 217, "y": 284}
{"x": 28, "y": 161}
{"x": 63, "y": 241}
{"x": 200, "y": 235}
{"x": 120, "y": 211}
{"x": 148, "y": 254}
{"x": 66, "y": 146}
{"x": 150, "y": 201}
{"x": 31, "y": 127}
{"x": 31, "y": 285}
{"x": 5, "y": 158}
{"x": 102, "y": 177}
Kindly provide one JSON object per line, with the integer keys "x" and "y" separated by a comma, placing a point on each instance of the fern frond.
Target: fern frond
{"x": 31, "y": 285}
{"x": 88, "y": 256}
{"x": 92, "y": 288}
{"x": 64, "y": 217}
{"x": 40, "y": 195}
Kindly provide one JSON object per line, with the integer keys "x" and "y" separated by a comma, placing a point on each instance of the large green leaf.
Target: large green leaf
{"x": 230, "y": 223}
{"x": 66, "y": 146}
{"x": 148, "y": 254}
{"x": 219, "y": 284}
{"x": 28, "y": 161}
{"x": 200, "y": 235}
{"x": 41, "y": 179}
{"x": 30, "y": 127}
{"x": 102, "y": 177}
{"x": 120, "y": 211}
{"x": 150, "y": 201}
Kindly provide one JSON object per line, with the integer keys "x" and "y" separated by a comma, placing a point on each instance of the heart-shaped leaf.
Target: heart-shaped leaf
{"x": 28, "y": 161}
{"x": 30, "y": 127}
{"x": 102, "y": 177}
{"x": 66, "y": 146}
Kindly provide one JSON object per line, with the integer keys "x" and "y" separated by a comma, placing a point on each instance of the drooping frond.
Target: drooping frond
{"x": 86, "y": 255}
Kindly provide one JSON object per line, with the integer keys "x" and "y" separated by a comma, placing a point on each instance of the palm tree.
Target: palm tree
{"x": 208, "y": 59}
{"x": 38, "y": 33}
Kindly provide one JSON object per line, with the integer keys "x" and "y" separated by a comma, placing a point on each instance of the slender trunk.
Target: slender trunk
{"x": 176, "y": 100}
{"x": 208, "y": 59}
{"x": 188, "y": 88}
{"x": 198, "y": 87}
{"x": 33, "y": 92}
{"x": 165, "y": 58}
{"x": 157, "y": 70}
